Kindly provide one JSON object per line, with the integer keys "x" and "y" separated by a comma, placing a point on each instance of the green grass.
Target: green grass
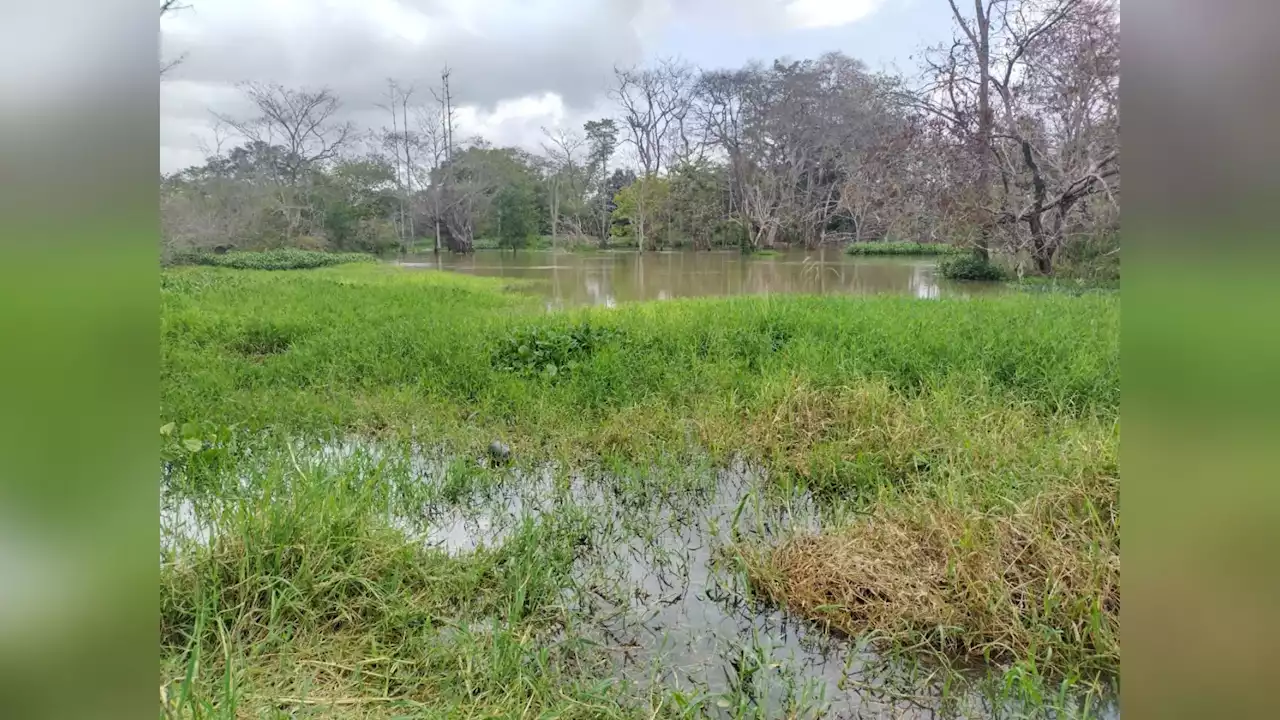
{"x": 306, "y": 598}
{"x": 1068, "y": 285}
{"x": 902, "y": 248}
{"x": 282, "y": 259}
{"x": 979, "y": 421}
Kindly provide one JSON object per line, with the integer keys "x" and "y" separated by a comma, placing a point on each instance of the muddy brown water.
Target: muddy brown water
{"x": 657, "y": 586}
{"x": 615, "y": 276}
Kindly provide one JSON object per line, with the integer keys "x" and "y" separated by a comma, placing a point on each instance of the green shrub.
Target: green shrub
{"x": 971, "y": 267}
{"x": 283, "y": 259}
{"x": 902, "y": 248}
{"x": 550, "y": 350}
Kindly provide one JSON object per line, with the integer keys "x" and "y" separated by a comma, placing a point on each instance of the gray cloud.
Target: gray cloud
{"x": 517, "y": 64}
{"x": 499, "y": 51}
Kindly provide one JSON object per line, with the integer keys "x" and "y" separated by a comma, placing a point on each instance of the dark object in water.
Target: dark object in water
{"x": 499, "y": 451}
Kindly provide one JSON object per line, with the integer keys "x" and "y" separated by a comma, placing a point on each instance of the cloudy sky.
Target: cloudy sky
{"x": 518, "y": 65}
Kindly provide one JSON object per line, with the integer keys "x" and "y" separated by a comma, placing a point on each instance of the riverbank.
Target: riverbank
{"x": 319, "y": 421}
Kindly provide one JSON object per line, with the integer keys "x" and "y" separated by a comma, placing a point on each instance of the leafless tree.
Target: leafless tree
{"x": 303, "y": 122}
{"x": 655, "y": 104}
{"x": 401, "y": 142}
{"x": 441, "y": 141}
{"x": 444, "y": 97}
{"x": 302, "y": 128}
{"x": 1019, "y": 85}
{"x": 561, "y": 148}
{"x": 167, "y": 7}
{"x": 432, "y": 149}
{"x": 1059, "y": 142}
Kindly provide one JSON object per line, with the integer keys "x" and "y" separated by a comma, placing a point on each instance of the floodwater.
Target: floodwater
{"x": 613, "y": 276}
{"x": 657, "y": 584}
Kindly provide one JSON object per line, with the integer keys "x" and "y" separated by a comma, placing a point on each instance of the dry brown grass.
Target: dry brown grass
{"x": 1039, "y": 581}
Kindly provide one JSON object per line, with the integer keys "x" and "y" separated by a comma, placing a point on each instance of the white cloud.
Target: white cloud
{"x": 811, "y": 14}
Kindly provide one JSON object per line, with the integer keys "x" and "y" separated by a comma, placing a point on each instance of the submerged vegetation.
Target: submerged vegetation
{"x": 959, "y": 458}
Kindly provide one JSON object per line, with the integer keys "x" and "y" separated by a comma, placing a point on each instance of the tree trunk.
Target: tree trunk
{"x": 1042, "y": 248}
{"x": 985, "y": 123}
{"x": 555, "y": 213}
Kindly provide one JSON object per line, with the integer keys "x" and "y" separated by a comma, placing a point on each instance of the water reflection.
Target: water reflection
{"x": 607, "y": 278}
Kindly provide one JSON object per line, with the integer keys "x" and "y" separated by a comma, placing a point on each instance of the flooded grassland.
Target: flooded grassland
{"x": 782, "y": 506}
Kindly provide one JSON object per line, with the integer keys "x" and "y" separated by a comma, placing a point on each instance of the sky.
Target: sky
{"x": 517, "y": 65}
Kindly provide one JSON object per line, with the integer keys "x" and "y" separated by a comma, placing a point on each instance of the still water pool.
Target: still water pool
{"x": 611, "y": 277}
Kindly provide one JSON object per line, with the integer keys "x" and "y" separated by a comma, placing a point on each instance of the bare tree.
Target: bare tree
{"x": 444, "y": 96}
{"x": 302, "y": 130}
{"x": 442, "y": 147}
{"x": 1058, "y": 92}
{"x": 432, "y": 146}
{"x": 978, "y": 31}
{"x": 561, "y": 148}
{"x": 167, "y": 7}
{"x": 401, "y": 141}
{"x": 302, "y": 122}
{"x": 655, "y": 103}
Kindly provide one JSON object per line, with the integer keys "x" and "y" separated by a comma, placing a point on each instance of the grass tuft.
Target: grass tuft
{"x": 1036, "y": 582}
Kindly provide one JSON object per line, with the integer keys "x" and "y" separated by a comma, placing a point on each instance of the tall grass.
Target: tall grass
{"x": 965, "y": 451}
{"x": 373, "y": 348}
{"x": 304, "y": 596}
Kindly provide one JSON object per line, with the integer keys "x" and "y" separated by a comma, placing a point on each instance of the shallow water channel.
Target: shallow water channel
{"x": 614, "y": 276}
{"x": 658, "y": 586}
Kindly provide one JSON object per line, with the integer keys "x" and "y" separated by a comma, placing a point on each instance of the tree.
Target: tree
{"x": 602, "y": 141}
{"x": 516, "y": 212}
{"x": 1042, "y": 65}
{"x": 787, "y": 133}
{"x": 654, "y": 102}
{"x": 303, "y": 122}
{"x": 563, "y": 181}
{"x": 475, "y": 199}
{"x": 1059, "y": 96}
{"x": 359, "y": 197}
{"x": 401, "y": 141}
{"x": 697, "y": 201}
{"x": 640, "y": 206}
{"x": 303, "y": 125}
{"x": 168, "y": 7}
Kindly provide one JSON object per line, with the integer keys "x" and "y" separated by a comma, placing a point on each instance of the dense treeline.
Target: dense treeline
{"x": 1007, "y": 140}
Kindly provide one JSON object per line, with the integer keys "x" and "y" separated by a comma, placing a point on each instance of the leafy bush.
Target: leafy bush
{"x": 971, "y": 267}
{"x": 283, "y": 259}
{"x": 550, "y": 350}
{"x": 902, "y": 248}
